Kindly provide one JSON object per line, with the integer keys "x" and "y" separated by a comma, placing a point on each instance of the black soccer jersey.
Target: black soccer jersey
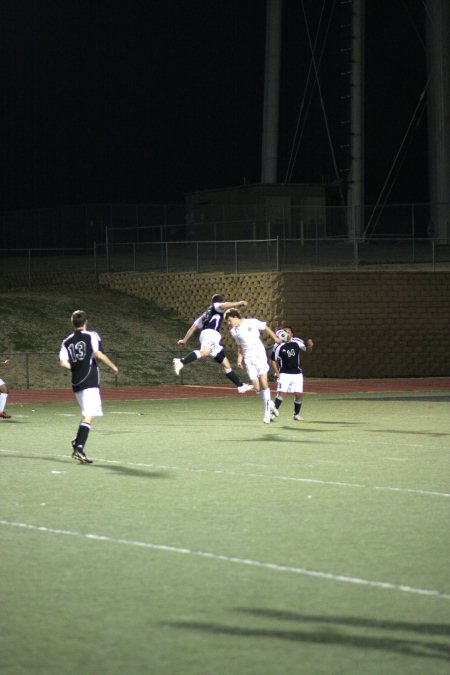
{"x": 211, "y": 318}
{"x": 287, "y": 356}
{"x": 78, "y": 348}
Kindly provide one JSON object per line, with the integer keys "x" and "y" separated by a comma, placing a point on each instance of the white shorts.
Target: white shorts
{"x": 256, "y": 364}
{"x": 288, "y": 383}
{"x": 90, "y": 402}
{"x": 211, "y": 338}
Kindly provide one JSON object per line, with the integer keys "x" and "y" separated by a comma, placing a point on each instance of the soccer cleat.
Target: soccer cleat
{"x": 5, "y": 416}
{"x": 177, "y": 366}
{"x": 273, "y": 410}
{"x": 267, "y": 419}
{"x": 298, "y": 418}
{"x": 244, "y": 387}
{"x": 79, "y": 455}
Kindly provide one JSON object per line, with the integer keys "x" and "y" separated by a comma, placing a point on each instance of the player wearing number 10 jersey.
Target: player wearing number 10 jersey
{"x": 285, "y": 359}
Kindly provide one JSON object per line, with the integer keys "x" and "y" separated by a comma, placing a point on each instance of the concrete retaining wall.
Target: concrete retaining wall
{"x": 364, "y": 324}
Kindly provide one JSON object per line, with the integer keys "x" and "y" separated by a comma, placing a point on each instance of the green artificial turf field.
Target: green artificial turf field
{"x": 202, "y": 541}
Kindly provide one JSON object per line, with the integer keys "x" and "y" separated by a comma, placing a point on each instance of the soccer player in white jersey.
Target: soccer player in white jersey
{"x": 252, "y": 352}
{"x": 209, "y": 324}
{"x": 4, "y": 393}
{"x": 285, "y": 359}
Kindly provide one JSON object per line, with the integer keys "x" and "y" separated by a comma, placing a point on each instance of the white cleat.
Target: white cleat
{"x": 177, "y": 366}
{"x": 244, "y": 387}
{"x": 298, "y": 418}
{"x": 267, "y": 418}
{"x": 274, "y": 411}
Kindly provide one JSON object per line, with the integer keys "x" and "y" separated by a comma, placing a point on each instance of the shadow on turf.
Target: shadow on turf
{"x": 276, "y": 438}
{"x": 328, "y": 635}
{"x": 431, "y": 629}
{"x": 369, "y": 399}
{"x": 433, "y": 434}
{"x": 304, "y": 426}
{"x": 115, "y": 468}
{"x": 128, "y": 471}
{"x": 55, "y": 460}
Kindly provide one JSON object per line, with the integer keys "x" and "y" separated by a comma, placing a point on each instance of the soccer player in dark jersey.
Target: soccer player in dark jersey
{"x": 285, "y": 359}
{"x": 80, "y": 351}
{"x": 209, "y": 324}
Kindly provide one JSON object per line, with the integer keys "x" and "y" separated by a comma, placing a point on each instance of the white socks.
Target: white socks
{"x": 3, "y": 398}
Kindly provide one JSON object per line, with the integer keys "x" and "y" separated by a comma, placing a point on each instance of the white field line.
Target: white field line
{"x": 284, "y": 478}
{"x": 241, "y": 474}
{"x": 274, "y": 567}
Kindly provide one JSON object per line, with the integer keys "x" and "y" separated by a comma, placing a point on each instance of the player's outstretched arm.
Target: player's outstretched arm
{"x": 189, "y": 334}
{"x": 107, "y": 361}
{"x": 273, "y": 336}
{"x": 229, "y": 305}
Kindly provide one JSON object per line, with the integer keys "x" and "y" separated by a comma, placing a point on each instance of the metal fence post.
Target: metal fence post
{"x": 107, "y": 248}
{"x": 29, "y": 268}
{"x": 317, "y": 241}
{"x": 94, "y": 253}
{"x": 27, "y": 370}
{"x": 355, "y": 241}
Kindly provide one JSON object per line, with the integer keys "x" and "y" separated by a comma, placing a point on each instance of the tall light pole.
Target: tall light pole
{"x": 355, "y": 191}
{"x": 269, "y": 155}
{"x": 438, "y": 112}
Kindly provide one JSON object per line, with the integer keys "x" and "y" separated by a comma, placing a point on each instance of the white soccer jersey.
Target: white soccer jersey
{"x": 247, "y": 336}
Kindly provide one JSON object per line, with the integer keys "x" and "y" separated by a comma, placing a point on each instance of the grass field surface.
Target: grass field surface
{"x": 202, "y": 541}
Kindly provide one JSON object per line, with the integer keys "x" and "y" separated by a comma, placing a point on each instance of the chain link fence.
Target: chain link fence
{"x": 147, "y": 367}
{"x": 83, "y": 225}
{"x": 35, "y": 267}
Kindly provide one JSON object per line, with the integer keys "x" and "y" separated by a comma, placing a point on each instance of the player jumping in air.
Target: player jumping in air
{"x": 209, "y": 324}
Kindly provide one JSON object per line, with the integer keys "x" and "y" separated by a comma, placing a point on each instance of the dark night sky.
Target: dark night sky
{"x": 144, "y": 101}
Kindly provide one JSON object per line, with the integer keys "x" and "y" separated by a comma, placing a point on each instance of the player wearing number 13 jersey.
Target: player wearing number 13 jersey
{"x": 209, "y": 324}
{"x": 80, "y": 351}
